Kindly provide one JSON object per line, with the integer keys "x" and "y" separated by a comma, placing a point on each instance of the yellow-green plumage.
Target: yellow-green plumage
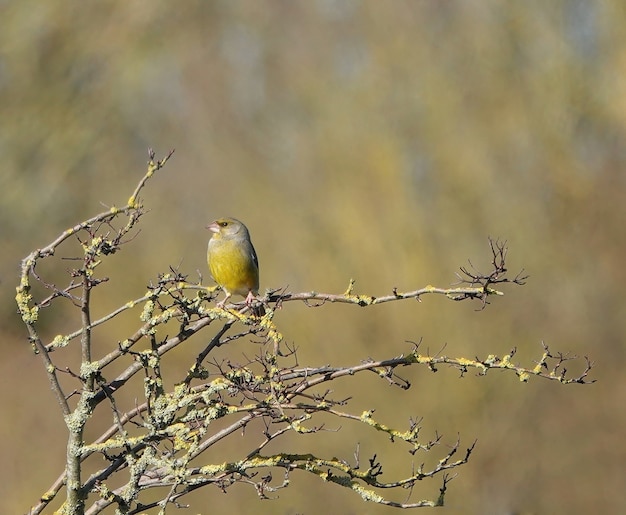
{"x": 232, "y": 259}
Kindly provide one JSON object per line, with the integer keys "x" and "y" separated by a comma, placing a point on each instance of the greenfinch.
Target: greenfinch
{"x": 232, "y": 259}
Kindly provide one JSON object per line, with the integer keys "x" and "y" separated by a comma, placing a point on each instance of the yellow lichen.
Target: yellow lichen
{"x": 59, "y": 341}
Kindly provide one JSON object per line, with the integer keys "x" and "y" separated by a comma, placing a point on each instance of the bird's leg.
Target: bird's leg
{"x": 250, "y": 298}
{"x": 255, "y": 305}
{"x": 221, "y": 303}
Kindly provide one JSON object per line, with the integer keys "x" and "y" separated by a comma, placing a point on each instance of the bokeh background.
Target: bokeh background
{"x": 380, "y": 141}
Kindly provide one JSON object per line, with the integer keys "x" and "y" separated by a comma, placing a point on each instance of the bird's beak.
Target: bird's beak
{"x": 213, "y": 227}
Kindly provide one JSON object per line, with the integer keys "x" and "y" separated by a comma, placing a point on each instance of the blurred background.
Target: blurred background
{"x": 380, "y": 141}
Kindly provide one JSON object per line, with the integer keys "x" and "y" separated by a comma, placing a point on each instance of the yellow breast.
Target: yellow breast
{"x": 233, "y": 266}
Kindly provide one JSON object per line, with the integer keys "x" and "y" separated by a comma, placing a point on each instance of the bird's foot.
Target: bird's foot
{"x": 255, "y": 305}
{"x": 222, "y": 302}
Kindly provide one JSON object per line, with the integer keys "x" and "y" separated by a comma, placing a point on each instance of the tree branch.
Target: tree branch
{"x": 161, "y": 442}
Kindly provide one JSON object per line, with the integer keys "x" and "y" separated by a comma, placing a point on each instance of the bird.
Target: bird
{"x": 233, "y": 261}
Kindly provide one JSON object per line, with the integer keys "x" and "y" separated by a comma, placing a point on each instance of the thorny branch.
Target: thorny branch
{"x": 160, "y": 441}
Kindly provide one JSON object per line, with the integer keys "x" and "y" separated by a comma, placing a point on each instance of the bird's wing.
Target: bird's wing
{"x": 255, "y": 259}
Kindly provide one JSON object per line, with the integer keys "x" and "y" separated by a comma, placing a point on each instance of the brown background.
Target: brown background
{"x": 380, "y": 141}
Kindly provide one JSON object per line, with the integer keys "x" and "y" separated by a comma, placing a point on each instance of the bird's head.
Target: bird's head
{"x": 227, "y": 228}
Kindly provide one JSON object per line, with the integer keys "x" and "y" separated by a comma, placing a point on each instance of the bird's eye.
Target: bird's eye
{"x": 223, "y": 224}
